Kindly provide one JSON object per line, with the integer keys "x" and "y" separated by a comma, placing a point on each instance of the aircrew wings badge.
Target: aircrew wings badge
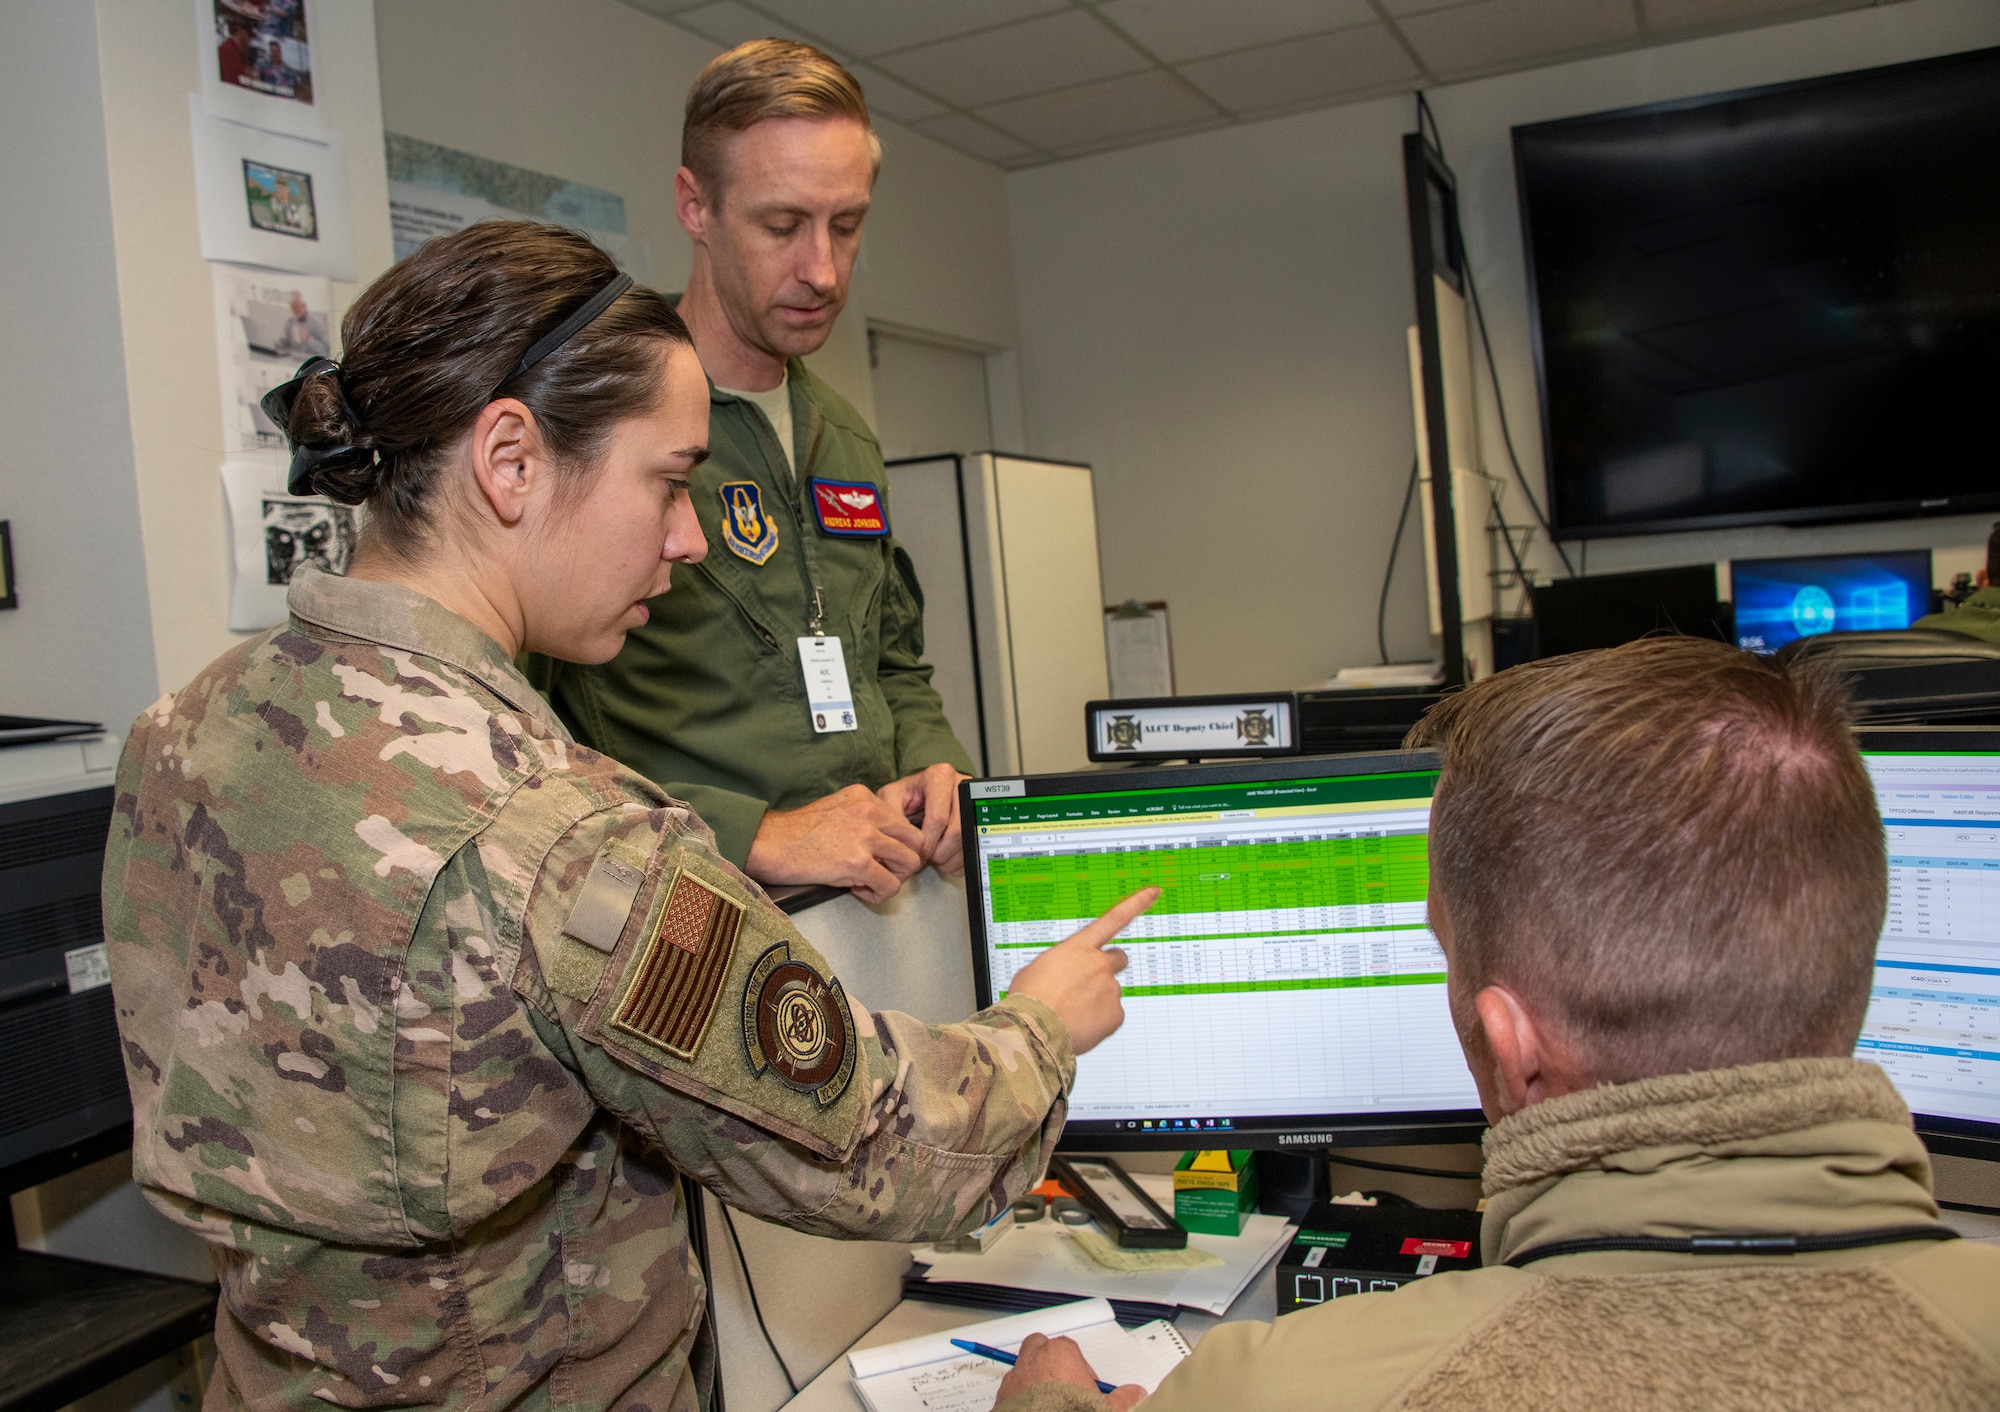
{"x": 795, "y": 1024}
{"x": 746, "y": 529}
{"x": 850, "y": 508}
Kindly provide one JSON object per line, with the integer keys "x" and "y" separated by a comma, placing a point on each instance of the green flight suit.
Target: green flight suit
{"x": 1978, "y": 616}
{"x": 708, "y": 699}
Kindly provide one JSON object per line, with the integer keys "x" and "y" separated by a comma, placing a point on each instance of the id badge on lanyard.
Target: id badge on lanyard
{"x": 828, "y": 696}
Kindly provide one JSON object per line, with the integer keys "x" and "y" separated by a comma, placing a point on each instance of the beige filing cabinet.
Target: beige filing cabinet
{"x": 1006, "y": 550}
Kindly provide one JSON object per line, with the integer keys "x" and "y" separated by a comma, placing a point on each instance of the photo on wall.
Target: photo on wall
{"x": 274, "y": 535}
{"x": 271, "y": 200}
{"x": 265, "y": 326}
{"x": 305, "y": 533}
{"x": 257, "y": 63}
{"x": 280, "y": 200}
{"x": 262, "y": 45}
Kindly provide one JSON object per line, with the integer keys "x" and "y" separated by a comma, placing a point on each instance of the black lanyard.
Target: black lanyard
{"x": 1734, "y": 1245}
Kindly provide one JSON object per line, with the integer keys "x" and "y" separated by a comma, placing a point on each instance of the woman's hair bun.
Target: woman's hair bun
{"x": 323, "y": 420}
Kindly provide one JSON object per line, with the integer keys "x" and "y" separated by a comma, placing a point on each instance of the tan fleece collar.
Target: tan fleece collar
{"x": 1715, "y": 1106}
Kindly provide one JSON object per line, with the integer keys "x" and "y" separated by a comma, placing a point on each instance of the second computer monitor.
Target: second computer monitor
{"x": 1781, "y": 600}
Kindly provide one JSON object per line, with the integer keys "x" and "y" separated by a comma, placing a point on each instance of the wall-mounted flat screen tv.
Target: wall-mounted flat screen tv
{"x": 1779, "y": 306}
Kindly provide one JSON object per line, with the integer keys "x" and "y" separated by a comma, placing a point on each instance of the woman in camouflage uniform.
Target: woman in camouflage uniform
{"x": 424, "y": 1006}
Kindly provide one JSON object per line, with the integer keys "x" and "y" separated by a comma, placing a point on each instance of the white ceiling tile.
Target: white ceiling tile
{"x": 1121, "y": 107}
{"x": 1320, "y": 66}
{"x": 1664, "y": 16}
{"x": 868, "y": 27}
{"x": 730, "y": 24}
{"x": 1398, "y": 8}
{"x": 1500, "y": 34}
{"x": 1055, "y": 51}
{"x": 665, "y": 9}
{"x": 892, "y": 98}
{"x": 1173, "y": 30}
{"x": 973, "y": 137}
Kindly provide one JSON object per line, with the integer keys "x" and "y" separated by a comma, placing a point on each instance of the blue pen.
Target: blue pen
{"x": 1001, "y": 1355}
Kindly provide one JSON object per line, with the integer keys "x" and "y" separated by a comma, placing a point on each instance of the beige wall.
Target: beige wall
{"x": 1218, "y": 324}
{"x": 80, "y": 646}
{"x": 147, "y": 54}
{"x": 592, "y": 90}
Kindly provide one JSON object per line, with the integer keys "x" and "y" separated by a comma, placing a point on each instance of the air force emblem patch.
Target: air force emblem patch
{"x": 746, "y": 529}
{"x": 795, "y": 1026}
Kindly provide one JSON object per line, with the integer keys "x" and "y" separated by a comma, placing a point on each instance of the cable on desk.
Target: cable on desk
{"x": 1382, "y": 603}
{"x": 755, "y": 1308}
{"x": 1371, "y": 1166}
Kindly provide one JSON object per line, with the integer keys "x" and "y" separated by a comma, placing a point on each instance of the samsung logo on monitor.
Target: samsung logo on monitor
{"x": 1305, "y": 1139}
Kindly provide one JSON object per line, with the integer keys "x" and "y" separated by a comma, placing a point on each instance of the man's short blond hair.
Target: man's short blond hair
{"x": 756, "y": 82}
{"x": 1671, "y": 850}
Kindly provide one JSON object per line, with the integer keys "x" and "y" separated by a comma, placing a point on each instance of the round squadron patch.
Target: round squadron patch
{"x": 795, "y": 1024}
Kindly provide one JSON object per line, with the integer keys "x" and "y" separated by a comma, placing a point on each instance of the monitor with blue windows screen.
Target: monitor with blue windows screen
{"x": 1781, "y": 600}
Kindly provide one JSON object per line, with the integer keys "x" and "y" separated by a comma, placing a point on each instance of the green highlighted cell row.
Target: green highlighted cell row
{"x": 1140, "y": 992}
{"x": 1320, "y": 872}
{"x": 1227, "y": 936}
{"x": 1300, "y": 983}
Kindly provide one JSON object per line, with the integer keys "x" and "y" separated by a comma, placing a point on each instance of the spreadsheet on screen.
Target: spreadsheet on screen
{"x": 1286, "y": 969}
{"x": 1934, "y": 1019}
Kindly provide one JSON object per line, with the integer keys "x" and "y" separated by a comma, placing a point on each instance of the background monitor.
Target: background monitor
{"x": 1604, "y": 610}
{"x": 1770, "y": 306}
{"x": 1284, "y": 992}
{"x": 1934, "y": 1018}
{"x": 1781, "y": 600}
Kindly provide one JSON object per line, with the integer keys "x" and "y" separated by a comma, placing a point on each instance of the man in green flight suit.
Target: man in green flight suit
{"x": 781, "y": 689}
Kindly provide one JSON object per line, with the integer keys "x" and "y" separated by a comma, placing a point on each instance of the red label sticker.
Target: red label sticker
{"x": 1455, "y": 1249}
{"x": 849, "y": 507}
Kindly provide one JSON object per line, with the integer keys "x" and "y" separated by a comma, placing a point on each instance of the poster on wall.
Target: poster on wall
{"x": 271, "y": 200}
{"x": 257, "y": 64}
{"x": 265, "y": 326}
{"x": 273, "y": 534}
{"x": 435, "y": 190}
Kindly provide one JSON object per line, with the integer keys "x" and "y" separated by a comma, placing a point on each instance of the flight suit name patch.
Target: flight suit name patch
{"x": 746, "y": 529}
{"x": 795, "y": 1025}
{"x": 678, "y": 980}
{"x": 850, "y": 508}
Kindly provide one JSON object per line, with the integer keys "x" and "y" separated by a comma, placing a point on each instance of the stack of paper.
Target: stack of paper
{"x": 931, "y": 1375}
{"x": 1043, "y": 1256}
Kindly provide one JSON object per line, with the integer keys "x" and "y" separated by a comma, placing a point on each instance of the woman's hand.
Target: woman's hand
{"x": 1078, "y": 976}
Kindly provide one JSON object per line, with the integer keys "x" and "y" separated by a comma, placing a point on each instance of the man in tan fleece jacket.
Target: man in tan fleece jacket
{"x": 1658, "y": 876}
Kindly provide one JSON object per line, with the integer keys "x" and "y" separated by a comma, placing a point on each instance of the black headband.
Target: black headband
{"x": 308, "y": 461}
{"x": 569, "y": 328}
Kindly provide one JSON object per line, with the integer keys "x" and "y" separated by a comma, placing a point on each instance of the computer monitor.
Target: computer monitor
{"x": 1934, "y": 1019}
{"x": 1781, "y": 600}
{"x": 1284, "y": 992}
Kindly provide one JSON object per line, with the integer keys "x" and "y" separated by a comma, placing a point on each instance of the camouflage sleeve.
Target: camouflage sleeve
{"x": 694, "y": 1010}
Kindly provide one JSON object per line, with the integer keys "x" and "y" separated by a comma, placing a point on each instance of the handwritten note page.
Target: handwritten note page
{"x": 929, "y": 1375}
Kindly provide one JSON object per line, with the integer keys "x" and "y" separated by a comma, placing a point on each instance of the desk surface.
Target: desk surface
{"x": 833, "y": 1390}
